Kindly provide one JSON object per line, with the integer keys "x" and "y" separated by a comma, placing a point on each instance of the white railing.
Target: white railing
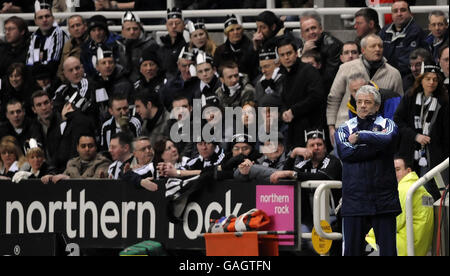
{"x": 434, "y": 173}
{"x": 321, "y": 208}
{"x": 218, "y": 13}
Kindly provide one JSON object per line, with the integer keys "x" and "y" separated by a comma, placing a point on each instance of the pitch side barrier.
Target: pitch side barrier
{"x": 114, "y": 214}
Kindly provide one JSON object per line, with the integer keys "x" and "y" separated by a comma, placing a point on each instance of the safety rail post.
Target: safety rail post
{"x": 317, "y": 210}
{"x": 436, "y": 171}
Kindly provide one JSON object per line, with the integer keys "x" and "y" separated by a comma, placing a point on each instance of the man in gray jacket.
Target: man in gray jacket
{"x": 371, "y": 64}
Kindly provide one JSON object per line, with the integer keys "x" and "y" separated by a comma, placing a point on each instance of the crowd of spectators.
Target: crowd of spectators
{"x": 91, "y": 103}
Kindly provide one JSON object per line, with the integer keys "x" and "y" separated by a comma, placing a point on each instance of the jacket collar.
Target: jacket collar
{"x": 402, "y": 33}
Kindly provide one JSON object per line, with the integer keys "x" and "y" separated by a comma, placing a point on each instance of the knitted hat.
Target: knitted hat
{"x": 98, "y": 21}
{"x": 149, "y": 55}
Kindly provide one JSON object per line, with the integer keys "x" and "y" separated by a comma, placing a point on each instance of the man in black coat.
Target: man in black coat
{"x": 19, "y": 126}
{"x": 173, "y": 42}
{"x": 328, "y": 46}
{"x": 110, "y": 80}
{"x": 15, "y": 47}
{"x": 78, "y": 90}
{"x": 184, "y": 84}
{"x": 303, "y": 96}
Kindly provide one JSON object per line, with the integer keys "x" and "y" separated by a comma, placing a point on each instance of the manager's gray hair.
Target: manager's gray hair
{"x": 368, "y": 89}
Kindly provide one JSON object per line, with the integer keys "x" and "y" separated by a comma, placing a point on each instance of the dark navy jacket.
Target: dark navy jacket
{"x": 398, "y": 47}
{"x": 369, "y": 184}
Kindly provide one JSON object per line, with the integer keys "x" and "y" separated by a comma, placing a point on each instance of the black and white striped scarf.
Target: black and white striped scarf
{"x": 44, "y": 49}
{"x": 423, "y": 115}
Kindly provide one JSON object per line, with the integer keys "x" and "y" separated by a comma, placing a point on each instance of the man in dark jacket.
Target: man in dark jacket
{"x": 269, "y": 85}
{"x": 78, "y": 90}
{"x": 110, "y": 80}
{"x": 173, "y": 42}
{"x": 366, "y": 145}
{"x": 184, "y": 83}
{"x": 303, "y": 96}
{"x": 19, "y": 126}
{"x": 47, "y": 42}
{"x": 15, "y": 47}
{"x": 401, "y": 37}
{"x": 99, "y": 34}
{"x": 151, "y": 76}
{"x": 270, "y": 29}
{"x": 328, "y": 46}
{"x": 133, "y": 44}
{"x": 438, "y": 27}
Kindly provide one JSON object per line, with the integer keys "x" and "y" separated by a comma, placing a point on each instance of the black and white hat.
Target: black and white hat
{"x": 313, "y": 134}
{"x": 231, "y": 20}
{"x": 174, "y": 13}
{"x": 31, "y": 144}
{"x": 267, "y": 54}
{"x": 429, "y": 68}
{"x": 186, "y": 54}
{"x": 203, "y": 57}
{"x": 42, "y": 5}
{"x": 199, "y": 24}
{"x": 129, "y": 16}
{"x": 102, "y": 52}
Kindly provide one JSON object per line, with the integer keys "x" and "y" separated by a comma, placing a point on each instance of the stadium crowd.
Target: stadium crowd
{"x": 96, "y": 104}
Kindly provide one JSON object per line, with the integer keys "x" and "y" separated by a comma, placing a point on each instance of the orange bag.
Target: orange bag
{"x": 250, "y": 221}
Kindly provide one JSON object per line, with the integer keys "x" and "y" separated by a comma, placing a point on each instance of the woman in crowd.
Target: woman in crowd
{"x": 167, "y": 152}
{"x": 422, "y": 118}
{"x": 200, "y": 39}
{"x": 11, "y": 158}
{"x": 38, "y": 164}
{"x": 16, "y": 84}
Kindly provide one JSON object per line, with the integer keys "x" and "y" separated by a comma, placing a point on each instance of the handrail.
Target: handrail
{"x": 322, "y": 186}
{"x": 409, "y": 203}
{"x": 219, "y": 13}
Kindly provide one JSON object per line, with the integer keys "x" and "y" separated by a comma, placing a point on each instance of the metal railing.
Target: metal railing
{"x": 321, "y": 208}
{"x": 434, "y": 173}
{"x": 217, "y": 13}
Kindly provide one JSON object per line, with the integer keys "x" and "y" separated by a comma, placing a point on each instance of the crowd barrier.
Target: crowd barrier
{"x": 114, "y": 214}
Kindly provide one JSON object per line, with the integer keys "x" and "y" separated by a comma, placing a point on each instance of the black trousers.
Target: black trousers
{"x": 356, "y": 228}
